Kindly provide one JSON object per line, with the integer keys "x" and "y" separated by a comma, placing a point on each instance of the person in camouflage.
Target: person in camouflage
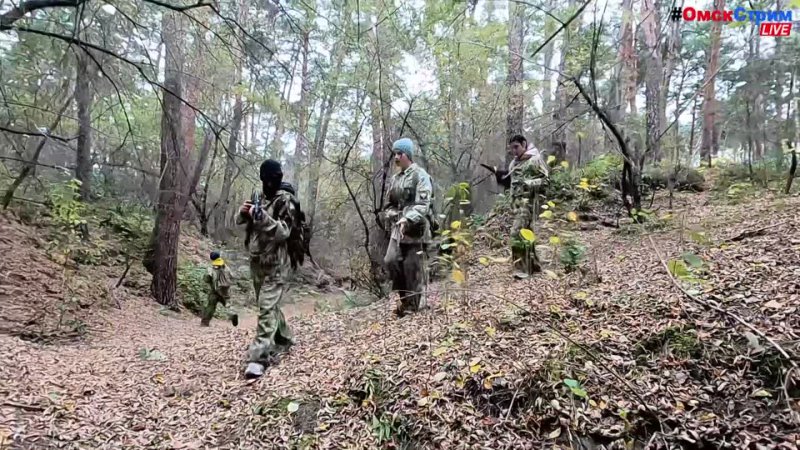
{"x": 219, "y": 280}
{"x": 407, "y": 215}
{"x": 270, "y": 228}
{"x": 527, "y": 177}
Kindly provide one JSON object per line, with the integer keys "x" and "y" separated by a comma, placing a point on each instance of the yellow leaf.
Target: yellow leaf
{"x": 551, "y": 159}
{"x": 158, "y": 378}
{"x": 487, "y": 383}
{"x": 572, "y": 216}
{"x": 581, "y": 295}
{"x": 483, "y": 260}
{"x": 546, "y": 215}
{"x": 475, "y": 368}
{"x": 565, "y": 164}
{"x": 458, "y": 276}
{"x": 555, "y": 240}
{"x": 551, "y": 204}
{"x": 527, "y": 234}
{"x": 439, "y": 351}
{"x": 491, "y": 331}
{"x": 456, "y": 225}
{"x": 461, "y": 382}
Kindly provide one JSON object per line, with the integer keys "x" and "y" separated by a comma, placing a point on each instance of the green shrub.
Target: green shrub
{"x": 191, "y": 287}
{"x": 572, "y": 254}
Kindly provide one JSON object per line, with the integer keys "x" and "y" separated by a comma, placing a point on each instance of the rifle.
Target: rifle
{"x": 499, "y": 175}
{"x": 255, "y": 199}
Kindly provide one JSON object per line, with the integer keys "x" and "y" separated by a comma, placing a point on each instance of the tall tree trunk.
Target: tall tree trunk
{"x": 653, "y": 78}
{"x": 558, "y": 139}
{"x": 628, "y": 60}
{"x": 710, "y": 138}
{"x": 547, "y": 82}
{"x": 221, "y": 210}
{"x": 671, "y": 52}
{"x": 84, "y": 98}
{"x": 515, "y": 75}
{"x": 301, "y": 147}
{"x": 322, "y": 131}
{"x": 171, "y": 188}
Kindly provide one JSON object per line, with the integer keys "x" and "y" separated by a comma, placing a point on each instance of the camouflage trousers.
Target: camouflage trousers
{"x": 272, "y": 334}
{"x": 406, "y": 266}
{"x": 523, "y": 253}
{"x": 211, "y": 307}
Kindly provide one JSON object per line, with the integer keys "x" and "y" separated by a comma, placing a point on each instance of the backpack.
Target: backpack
{"x": 300, "y": 235}
{"x": 222, "y": 281}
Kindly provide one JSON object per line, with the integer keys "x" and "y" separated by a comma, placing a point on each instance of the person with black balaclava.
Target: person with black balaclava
{"x": 268, "y": 231}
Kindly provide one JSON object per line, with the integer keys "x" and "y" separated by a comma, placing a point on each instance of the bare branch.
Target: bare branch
{"x": 34, "y": 133}
{"x": 562, "y": 27}
{"x": 19, "y": 11}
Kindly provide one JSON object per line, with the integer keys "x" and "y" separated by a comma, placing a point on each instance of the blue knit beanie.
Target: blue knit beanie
{"x": 404, "y": 146}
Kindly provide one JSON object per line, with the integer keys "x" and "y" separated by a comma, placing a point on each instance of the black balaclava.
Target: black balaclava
{"x": 271, "y": 176}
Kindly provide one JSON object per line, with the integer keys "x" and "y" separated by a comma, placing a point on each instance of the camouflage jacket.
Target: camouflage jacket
{"x": 410, "y": 193}
{"x": 268, "y": 244}
{"x": 527, "y": 177}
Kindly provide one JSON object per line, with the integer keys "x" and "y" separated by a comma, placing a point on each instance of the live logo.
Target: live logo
{"x": 775, "y": 29}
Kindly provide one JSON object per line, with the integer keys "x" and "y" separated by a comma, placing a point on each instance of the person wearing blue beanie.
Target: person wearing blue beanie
{"x": 409, "y": 217}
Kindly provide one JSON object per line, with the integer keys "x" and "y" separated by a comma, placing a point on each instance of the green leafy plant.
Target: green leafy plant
{"x": 572, "y": 254}
{"x": 576, "y": 388}
{"x": 192, "y": 287}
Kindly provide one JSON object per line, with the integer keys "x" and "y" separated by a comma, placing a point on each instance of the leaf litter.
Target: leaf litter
{"x": 498, "y": 364}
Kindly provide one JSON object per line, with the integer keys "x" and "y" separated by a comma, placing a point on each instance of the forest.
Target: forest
{"x": 664, "y": 315}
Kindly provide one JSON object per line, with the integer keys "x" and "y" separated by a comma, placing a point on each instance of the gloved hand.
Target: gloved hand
{"x": 389, "y": 217}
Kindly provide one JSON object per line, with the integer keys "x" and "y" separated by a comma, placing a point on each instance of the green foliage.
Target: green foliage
{"x": 68, "y": 215}
{"x": 573, "y": 252}
{"x": 603, "y": 170}
{"x": 192, "y": 287}
{"x": 133, "y": 225}
{"x": 66, "y": 207}
{"x": 576, "y": 388}
{"x": 689, "y": 268}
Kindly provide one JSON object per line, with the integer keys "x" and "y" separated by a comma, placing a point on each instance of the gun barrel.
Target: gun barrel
{"x": 489, "y": 168}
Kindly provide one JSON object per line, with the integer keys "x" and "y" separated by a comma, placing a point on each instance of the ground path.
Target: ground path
{"x": 156, "y": 380}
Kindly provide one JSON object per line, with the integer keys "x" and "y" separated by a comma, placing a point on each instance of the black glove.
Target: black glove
{"x": 502, "y": 179}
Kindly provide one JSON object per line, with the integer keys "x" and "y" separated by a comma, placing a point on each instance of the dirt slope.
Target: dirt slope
{"x": 643, "y": 364}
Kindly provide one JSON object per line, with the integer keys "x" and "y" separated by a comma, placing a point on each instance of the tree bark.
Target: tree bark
{"x": 710, "y": 137}
{"x": 322, "y": 131}
{"x": 628, "y": 60}
{"x": 222, "y": 206}
{"x": 163, "y": 265}
{"x": 301, "y": 146}
{"x": 515, "y": 74}
{"x": 653, "y": 78}
{"x": 84, "y": 98}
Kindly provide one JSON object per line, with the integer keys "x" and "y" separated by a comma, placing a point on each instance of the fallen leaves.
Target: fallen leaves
{"x": 482, "y": 374}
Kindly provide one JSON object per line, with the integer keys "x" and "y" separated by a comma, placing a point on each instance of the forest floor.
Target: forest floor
{"x": 619, "y": 358}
